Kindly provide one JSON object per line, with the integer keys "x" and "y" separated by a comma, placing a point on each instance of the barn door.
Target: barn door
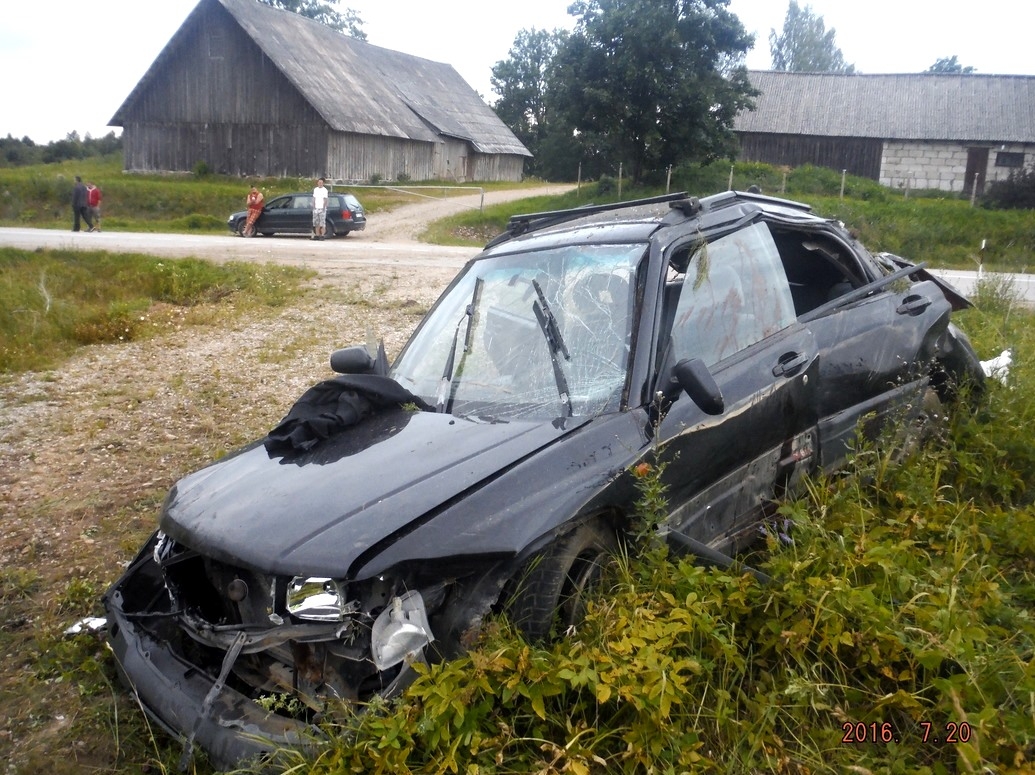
{"x": 977, "y": 168}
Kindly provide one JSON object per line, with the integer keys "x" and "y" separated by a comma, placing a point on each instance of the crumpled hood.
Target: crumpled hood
{"x": 317, "y": 512}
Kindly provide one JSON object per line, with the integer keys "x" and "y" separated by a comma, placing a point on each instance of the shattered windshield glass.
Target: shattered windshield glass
{"x": 534, "y": 335}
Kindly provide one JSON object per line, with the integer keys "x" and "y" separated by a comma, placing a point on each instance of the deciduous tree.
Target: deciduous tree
{"x": 949, "y": 65}
{"x": 805, "y": 45}
{"x": 346, "y": 22}
{"x": 521, "y": 81}
{"x": 650, "y": 83}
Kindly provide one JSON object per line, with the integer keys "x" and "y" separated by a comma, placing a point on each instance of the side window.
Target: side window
{"x": 302, "y": 203}
{"x": 734, "y": 293}
{"x": 818, "y": 267}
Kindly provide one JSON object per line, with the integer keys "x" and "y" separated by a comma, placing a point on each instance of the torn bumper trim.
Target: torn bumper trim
{"x": 172, "y": 692}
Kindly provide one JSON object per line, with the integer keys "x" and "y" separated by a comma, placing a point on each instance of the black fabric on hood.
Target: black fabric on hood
{"x": 334, "y": 405}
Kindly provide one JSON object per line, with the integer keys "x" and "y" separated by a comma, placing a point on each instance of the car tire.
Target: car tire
{"x": 242, "y": 225}
{"x": 551, "y": 593}
{"x": 328, "y": 231}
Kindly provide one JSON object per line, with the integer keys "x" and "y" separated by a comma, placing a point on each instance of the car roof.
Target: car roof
{"x": 310, "y": 193}
{"x": 638, "y": 220}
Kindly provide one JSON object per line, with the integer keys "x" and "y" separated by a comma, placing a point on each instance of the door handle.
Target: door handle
{"x": 913, "y": 304}
{"x": 789, "y": 364}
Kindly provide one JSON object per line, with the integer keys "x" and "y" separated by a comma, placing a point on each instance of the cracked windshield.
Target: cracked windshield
{"x": 530, "y": 336}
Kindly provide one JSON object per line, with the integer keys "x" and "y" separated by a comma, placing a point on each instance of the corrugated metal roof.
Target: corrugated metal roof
{"x": 361, "y": 88}
{"x": 917, "y": 106}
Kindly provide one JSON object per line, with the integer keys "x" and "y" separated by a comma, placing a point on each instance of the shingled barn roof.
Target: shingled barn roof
{"x": 921, "y": 106}
{"x": 358, "y": 87}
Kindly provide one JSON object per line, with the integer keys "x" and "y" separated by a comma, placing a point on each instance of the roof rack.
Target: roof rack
{"x": 522, "y": 224}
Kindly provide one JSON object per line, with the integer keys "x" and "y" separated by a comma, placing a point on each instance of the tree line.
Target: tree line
{"x": 22, "y": 152}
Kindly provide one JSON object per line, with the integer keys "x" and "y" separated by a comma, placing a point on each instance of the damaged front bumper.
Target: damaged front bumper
{"x": 173, "y": 692}
{"x": 187, "y": 675}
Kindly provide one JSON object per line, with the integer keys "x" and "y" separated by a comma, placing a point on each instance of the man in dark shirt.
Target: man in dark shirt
{"x": 79, "y": 205}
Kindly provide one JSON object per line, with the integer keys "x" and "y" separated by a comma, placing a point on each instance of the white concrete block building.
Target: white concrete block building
{"x": 949, "y": 132}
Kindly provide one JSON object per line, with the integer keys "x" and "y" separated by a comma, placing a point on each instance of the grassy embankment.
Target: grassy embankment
{"x": 902, "y": 605}
{"x": 943, "y": 230}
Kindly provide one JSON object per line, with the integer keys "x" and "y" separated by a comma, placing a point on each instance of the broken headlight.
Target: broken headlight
{"x": 318, "y": 599}
{"x": 400, "y": 631}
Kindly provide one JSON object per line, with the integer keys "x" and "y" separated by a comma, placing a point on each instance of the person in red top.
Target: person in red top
{"x": 254, "y": 202}
{"x": 93, "y": 201}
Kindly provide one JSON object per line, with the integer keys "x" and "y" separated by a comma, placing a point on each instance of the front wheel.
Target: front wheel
{"x": 242, "y": 227}
{"x": 551, "y": 594}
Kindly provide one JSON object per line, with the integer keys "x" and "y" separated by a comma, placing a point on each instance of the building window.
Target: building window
{"x": 1009, "y": 159}
{"x": 216, "y": 45}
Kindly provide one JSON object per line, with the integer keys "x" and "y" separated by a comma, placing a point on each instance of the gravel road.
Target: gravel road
{"x": 390, "y": 239}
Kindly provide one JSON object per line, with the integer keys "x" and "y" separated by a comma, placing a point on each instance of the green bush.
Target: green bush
{"x": 1017, "y": 192}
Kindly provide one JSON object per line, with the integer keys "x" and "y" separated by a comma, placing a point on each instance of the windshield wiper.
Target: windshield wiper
{"x": 552, "y": 332}
{"x": 447, "y": 387}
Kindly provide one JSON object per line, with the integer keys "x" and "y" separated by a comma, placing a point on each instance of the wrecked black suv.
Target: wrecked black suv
{"x": 739, "y": 339}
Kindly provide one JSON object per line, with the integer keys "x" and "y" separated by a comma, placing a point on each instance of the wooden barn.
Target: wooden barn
{"x": 248, "y": 89}
{"x": 948, "y": 132}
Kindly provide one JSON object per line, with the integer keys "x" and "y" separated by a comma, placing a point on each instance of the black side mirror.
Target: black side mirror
{"x": 694, "y": 378}
{"x": 352, "y": 360}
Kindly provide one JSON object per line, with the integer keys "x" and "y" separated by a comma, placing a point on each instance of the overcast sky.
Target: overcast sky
{"x": 69, "y": 64}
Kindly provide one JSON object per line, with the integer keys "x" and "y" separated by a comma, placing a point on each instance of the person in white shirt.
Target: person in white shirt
{"x": 319, "y": 210}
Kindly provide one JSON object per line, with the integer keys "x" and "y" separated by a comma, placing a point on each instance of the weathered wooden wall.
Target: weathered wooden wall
{"x": 218, "y": 99}
{"x": 230, "y": 149}
{"x": 361, "y": 157}
{"x": 488, "y": 166}
{"x": 859, "y": 155}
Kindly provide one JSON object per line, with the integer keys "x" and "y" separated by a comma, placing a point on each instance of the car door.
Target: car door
{"x": 299, "y": 214}
{"x": 275, "y": 216}
{"x": 876, "y": 334}
{"x": 733, "y": 311}
{"x": 875, "y": 354}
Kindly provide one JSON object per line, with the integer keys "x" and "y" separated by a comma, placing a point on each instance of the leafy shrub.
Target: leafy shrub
{"x": 118, "y": 323}
{"x": 607, "y": 186}
{"x": 202, "y": 169}
{"x": 198, "y": 222}
{"x": 1017, "y": 192}
{"x": 899, "y": 616}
